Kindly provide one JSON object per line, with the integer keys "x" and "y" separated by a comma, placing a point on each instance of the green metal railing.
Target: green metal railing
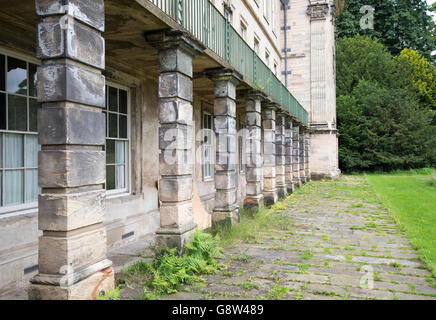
{"x": 207, "y": 24}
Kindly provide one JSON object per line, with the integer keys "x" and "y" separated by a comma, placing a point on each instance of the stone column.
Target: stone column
{"x": 282, "y": 190}
{"x": 254, "y": 169}
{"x": 71, "y": 164}
{"x": 306, "y": 155}
{"x": 288, "y": 155}
{"x": 176, "y": 52}
{"x": 296, "y": 155}
{"x": 269, "y": 154}
{"x": 302, "y": 156}
{"x": 226, "y": 207}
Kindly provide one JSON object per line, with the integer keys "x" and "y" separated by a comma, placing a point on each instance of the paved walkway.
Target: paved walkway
{"x": 339, "y": 239}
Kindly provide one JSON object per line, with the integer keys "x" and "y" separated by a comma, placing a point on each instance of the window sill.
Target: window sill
{"x": 19, "y": 209}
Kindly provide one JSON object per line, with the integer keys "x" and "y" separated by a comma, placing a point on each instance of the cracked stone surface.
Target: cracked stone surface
{"x": 339, "y": 235}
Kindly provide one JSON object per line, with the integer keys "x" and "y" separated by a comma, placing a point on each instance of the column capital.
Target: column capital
{"x": 222, "y": 74}
{"x": 255, "y": 95}
{"x": 269, "y": 105}
{"x": 174, "y": 39}
{"x": 88, "y": 12}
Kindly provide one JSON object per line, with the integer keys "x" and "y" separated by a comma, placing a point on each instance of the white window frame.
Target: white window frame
{"x": 30, "y": 207}
{"x": 267, "y": 57}
{"x": 210, "y": 146}
{"x": 243, "y": 29}
{"x": 256, "y": 40}
{"x": 124, "y": 191}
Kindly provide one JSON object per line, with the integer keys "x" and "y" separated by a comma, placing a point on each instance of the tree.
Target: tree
{"x": 398, "y": 24}
{"x": 380, "y": 123}
{"x": 421, "y": 74}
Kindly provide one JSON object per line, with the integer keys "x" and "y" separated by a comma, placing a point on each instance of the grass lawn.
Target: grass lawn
{"x": 411, "y": 201}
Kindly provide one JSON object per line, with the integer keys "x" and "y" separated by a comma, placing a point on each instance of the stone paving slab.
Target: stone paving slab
{"x": 341, "y": 244}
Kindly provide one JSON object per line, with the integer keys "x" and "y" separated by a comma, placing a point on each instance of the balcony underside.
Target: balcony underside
{"x": 126, "y": 49}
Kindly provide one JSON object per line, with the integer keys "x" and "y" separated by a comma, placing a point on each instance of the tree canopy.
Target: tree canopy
{"x": 398, "y": 24}
{"x": 381, "y": 123}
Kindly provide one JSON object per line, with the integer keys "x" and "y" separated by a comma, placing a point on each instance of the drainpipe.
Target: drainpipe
{"x": 285, "y": 7}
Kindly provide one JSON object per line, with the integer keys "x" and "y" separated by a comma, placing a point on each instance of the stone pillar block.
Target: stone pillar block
{"x": 225, "y": 83}
{"x": 254, "y": 169}
{"x": 176, "y": 52}
{"x": 71, "y": 127}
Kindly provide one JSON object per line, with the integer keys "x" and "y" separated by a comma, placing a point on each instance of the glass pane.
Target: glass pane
{"x": 33, "y": 112}
{"x": 33, "y": 80}
{"x": 123, "y": 127}
{"x": 123, "y": 101}
{"x": 14, "y": 151}
{"x": 1, "y": 186}
{"x": 121, "y": 172}
{"x": 2, "y": 72}
{"x": 17, "y": 113}
{"x": 17, "y": 76}
{"x": 110, "y": 177}
{"x": 120, "y": 156}
{"x": 113, "y": 125}
{"x": 113, "y": 99}
{"x": 110, "y": 151}
{"x": 32, "y": 148}
{"x": 1, "y": 156}
{"x": 105, "y": 97}
{"x": 32, "y": 189}
{"x": 3, "y": 111}
{"x": 13, "y": 187}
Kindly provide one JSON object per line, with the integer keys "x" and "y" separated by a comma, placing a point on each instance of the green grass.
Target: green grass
{"x": 253, "y": 221}
{"x": 411, "y": 200}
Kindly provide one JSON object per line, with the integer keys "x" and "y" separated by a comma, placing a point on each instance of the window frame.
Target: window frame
{"x": 256, "y": 43}
{"x": 212, "y": 175}
{"x": 115, "y": 193}
{"x": 25, "y": 207}
{"x": 243, "y": 25}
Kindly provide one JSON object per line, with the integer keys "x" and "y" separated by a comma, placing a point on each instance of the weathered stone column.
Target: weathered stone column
{"x": 254, "y": 169}
{"x": 306, "y": 155}
{"x": 176, "y": 52}
{"x": 296, "y": 155}
{"x": 282, "y": 190}
{"x": 302, "y": 150}
{"x": 269, "y": 154}
{"x": 226, "y": 207}
{"x": 288, "y": 155}
{"x": 71, "y": 165}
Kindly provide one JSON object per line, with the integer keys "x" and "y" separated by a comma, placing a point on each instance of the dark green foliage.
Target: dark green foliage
{"x": 380, "y": 123}
{"x": 398, "y": 24}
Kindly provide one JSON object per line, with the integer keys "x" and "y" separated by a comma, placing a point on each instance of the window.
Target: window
{"x": 117, "y": 139}
{"x": 228, "y": 14}
{"x": 243, "y": 30}
{"x": 207, "y": 145}
{"x": 18, "y": 134}
{"x": 241, "y": 147}
{"x": 267, "y": 10}
{"x": 256, "y": 45}
{"x": 267, "y": 58}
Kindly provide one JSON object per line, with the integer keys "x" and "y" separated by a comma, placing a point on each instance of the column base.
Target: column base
{"x": 291, "y": 188}
{"x": 333, "y": 175}
{"x": 298, "y": 183}
{"x": 282, "y": 191}
{"x": 226, "y": 216}
{"x": 254, "y": 202}
{"x": 175, "y": 237}
{"x": 86, "y": 289}
{"x": 270, "y": 197}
